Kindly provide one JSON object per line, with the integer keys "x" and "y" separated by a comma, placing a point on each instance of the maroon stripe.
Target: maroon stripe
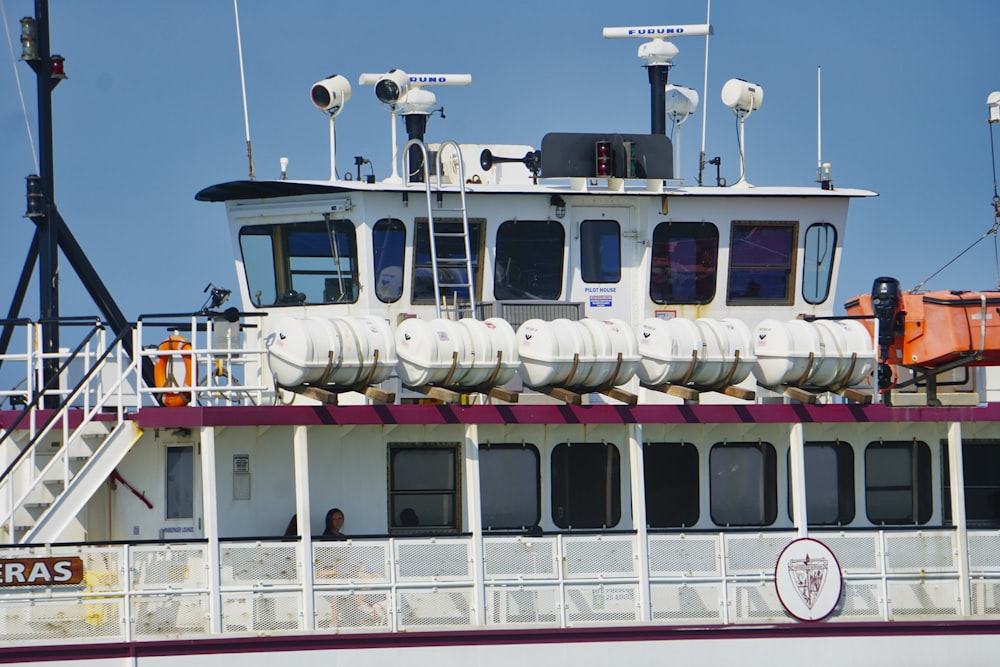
{"x": 644, "y": 633}
{"x": 555, "y": 414}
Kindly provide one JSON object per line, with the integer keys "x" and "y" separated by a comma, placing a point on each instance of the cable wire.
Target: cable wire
{"x": 20, "y": 93}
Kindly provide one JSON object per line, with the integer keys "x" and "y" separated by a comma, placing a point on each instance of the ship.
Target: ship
{"x": 540, "y": 402}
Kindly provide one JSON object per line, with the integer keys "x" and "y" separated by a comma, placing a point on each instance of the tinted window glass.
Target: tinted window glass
{"x": 529, "y": 260}
{"x": 897, "y": 482}
{"x": 586, "y": 485}
{"x": 829, "y": 484}
{"x": 509, "y": 486}
{"x": 423, "y": 490}
{"x": 743, "y": 484}
{"x": 761, "y": 261}
{"x": 684, "y": 261}
{"x": 388, "y": 246}
{"x": 450, "y": 246}
{"x": 817, "y": 267}
{"x": 600, "y": 251}
{"x": 671, "y": 480}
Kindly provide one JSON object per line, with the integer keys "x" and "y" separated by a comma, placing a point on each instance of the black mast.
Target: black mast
{"x": 52, "y": 232}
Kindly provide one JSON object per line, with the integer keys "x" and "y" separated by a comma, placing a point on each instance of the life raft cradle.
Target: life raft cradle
{"x": 163, "y": 371}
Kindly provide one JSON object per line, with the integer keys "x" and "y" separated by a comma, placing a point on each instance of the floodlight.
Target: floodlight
{"x": 740, "y": 95}
{"x": 331, "y": 94}
{"x": 392, "y": 86}
{"x": 993, "y": 103}
{"x": 681, "y": 102}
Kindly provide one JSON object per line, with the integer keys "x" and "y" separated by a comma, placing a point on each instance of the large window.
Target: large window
{"x": 743, "y": 484}
{"x": 301, "y": 263}
{"x": 981, "y": 469}
{"x": 509, "y": 485}
{"x": 423, "y": 487}
{"x": 529, "y": 260}
{"x": 817, "y": 261}
{"x": 684, "y": 262}
{"x": 898, "y": 482}
{"x": 388, "y": 246}
{"x": 450, "y": 244}
{"x": 600, "y": 251}
{"x": 829, "y": 484}
{"x": 586, "y": 485}
{"x": 761, "y": 262}
{"x": 671, "y": 480}
{"x": 180, "y": 482}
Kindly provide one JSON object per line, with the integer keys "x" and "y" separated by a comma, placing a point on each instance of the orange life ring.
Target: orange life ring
{"x": 163, "y": 374}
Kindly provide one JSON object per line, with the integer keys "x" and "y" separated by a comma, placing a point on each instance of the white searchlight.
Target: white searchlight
{"x": 329, "y": 96}
{"x": 404, "y": 92}
{"x": 681, "y": 103}
{"x": 743, "y": 98}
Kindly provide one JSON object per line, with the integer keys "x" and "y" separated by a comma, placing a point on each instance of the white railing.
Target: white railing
{"x": 164, "y": 591}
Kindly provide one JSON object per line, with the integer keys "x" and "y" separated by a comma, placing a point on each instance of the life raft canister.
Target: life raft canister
{"x": 163, "y": 371}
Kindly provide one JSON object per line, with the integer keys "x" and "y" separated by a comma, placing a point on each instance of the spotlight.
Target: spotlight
{"x": 331, "y": 94}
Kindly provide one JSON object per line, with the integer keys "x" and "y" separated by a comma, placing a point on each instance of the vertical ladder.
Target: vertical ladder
{"x": 464, "y": 262}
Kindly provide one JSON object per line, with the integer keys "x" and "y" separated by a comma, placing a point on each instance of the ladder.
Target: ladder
{"x": 449, "y": 264}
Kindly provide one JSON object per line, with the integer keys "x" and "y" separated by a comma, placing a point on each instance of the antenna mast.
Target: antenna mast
{"x": 243, "y": 84}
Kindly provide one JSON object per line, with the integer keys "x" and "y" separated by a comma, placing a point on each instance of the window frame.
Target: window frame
{"x": 788, "y": 270}
{"x": 455, "y": 493}
{"x": 592, "y": 253}
{"x": 845, "y": 483}
{"x": 662, "y": 267}
{"x": 657, "y": 494}
{"x": 502, "y": 284}
{"x": 768, "y": 489}
{"x": 170, "y": 495}
{"x": 421, "y": 235}
{"x": 537, "y": 483}
{"x": 920, "y": 484}
{"x": 388, "y": 245}
{"x": 817, "y": 272}
{"x": 561, "y": 481}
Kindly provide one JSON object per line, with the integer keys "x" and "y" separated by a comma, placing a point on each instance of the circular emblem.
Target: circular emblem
{"x": 808, "y": 580}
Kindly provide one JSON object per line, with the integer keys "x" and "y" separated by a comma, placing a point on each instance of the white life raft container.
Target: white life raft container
{"x": 706, "y": 351}
{"x": 467, "y": 353}
{"x": 819, "y": 354}
{"x": 584, "y": 354}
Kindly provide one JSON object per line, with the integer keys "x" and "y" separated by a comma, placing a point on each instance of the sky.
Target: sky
{"x": 152, "y": 112}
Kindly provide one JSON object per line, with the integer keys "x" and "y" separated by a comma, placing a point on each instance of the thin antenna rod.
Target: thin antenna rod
{"x": 20, "y": 91}
{"x": 819, "y": 122}
{"x": 704, "y": 107}
{"x": 243, "y": 83}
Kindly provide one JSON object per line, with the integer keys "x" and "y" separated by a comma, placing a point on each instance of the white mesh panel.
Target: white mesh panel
{"x": 856, "y": 552}
{"x": 25, "y": 621}
{"x": 534, "y": 605}
{"x": 755, "y": 553}
{"x": 261, "y": 612}
{"x": 756, "y": 602}
{"x": 986, "y": 597}
{"x": 355, "y": 609}
{"x": 984, "y": 551}
{"x": 435, "y": 607}
{"x": 246, "y": 564}
{"x": 437, "y": 559}
{"x": 922, "y": 599}
{"x": 859, "y": 601}
{"x": 684, "y": 555}
{"x": 520, "y": 558}
{"x": 159, "y": 567}
{"x": 169, "y": 616}
{"x": 686, "y": 603}
{"x": 923, "y": 551}
{"x": 348, "y": 562}
{"x": 593, "y": 556}
{"x": 604, "y": 604}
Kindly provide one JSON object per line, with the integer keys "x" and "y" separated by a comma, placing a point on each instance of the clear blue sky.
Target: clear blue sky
{"x": 152, "y": 113}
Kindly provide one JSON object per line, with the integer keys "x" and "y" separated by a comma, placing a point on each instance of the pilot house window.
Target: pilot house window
{"x": 302, "y": 263}
{"x": 600, "y": 251}
{"x": 684, "y": 262}
{"x": 529, "y": 260}
{"x": 761, "y": 263}
{"x": 449, "y": 243}
{"x": 817, "y": 261}
{"x": 388, "y": 247}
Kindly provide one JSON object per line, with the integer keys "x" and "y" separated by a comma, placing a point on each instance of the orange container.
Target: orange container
{"x": 942, "y": 326}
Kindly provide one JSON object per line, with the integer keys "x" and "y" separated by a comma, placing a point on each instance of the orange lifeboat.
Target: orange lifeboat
{"x": 935, "y": 328}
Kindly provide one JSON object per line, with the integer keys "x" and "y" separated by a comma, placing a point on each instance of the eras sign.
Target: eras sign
{"x": 41, "y": 571}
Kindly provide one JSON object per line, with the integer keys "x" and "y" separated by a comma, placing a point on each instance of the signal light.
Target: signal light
{"x": 602, "y": 150}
